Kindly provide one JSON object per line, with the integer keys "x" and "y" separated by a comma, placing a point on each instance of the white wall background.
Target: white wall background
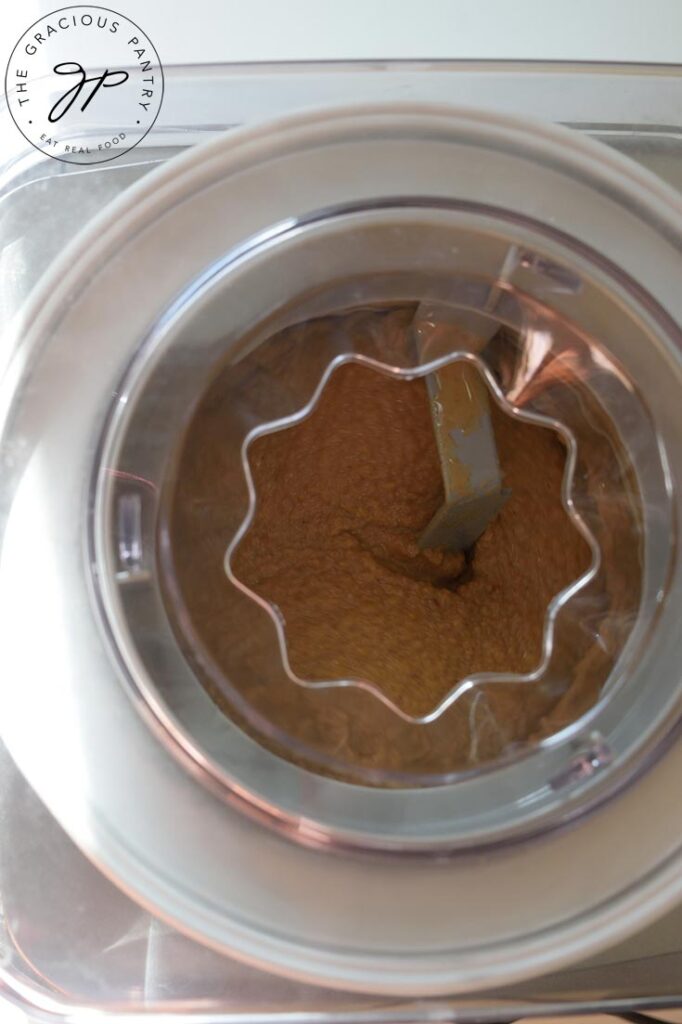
{"x": 256, "y": 30}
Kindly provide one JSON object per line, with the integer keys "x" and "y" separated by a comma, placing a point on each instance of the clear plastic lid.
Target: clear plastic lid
{"x": 250, "y": 351}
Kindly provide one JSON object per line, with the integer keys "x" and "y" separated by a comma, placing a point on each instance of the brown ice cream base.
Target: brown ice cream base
{"x": 341, "y": 500}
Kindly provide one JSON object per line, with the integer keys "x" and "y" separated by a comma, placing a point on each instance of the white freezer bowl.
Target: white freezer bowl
{"x": 70, "y": 940}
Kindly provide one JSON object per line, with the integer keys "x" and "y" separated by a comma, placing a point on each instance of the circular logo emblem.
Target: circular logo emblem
{"x": 84, "y": 84}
